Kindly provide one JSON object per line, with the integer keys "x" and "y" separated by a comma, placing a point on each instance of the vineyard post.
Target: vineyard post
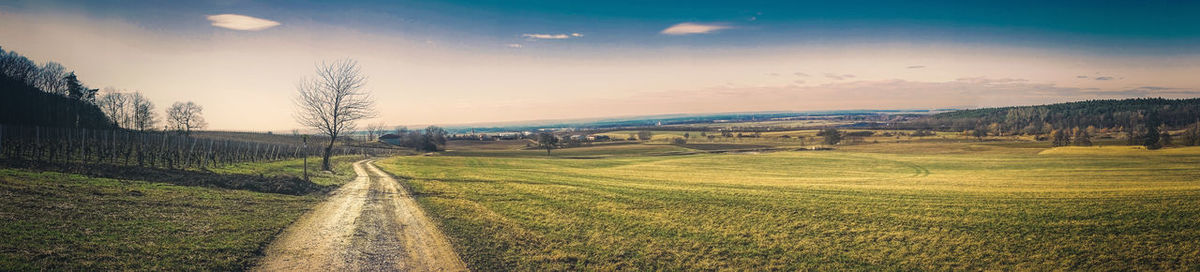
{"x": 209, "y": 158}
{"x": 191, "y": 151}
{"x": 305, "y": 137}
{"x": 113, "y": 137}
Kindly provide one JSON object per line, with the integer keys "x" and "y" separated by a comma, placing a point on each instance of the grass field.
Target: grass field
{"x": 904, "y": 206}
{"x": 58, "y": 221}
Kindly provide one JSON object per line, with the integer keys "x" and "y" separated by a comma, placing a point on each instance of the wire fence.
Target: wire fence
{"x": 149, "y": 149}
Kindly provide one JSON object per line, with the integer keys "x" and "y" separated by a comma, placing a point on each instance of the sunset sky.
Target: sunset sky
{"x": 454, "y": 62}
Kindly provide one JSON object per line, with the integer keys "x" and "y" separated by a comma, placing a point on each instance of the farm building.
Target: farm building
{"x": 390, "y": 138}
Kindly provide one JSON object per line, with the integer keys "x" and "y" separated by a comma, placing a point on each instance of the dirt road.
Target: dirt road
{"x": 369, "y": 224}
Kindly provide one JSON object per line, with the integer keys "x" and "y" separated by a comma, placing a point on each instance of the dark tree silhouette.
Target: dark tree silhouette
{"x": 1151, "y": 137}
{"x": 185, "y": 117}
{"x": 547, "y": 140}
{"x": 24, "y": 102}
{"x": 832, "y": 136}
{"x": 1060, "y": 137}
{"x": 334, "y": 101}
{"x": 645, "y": 135}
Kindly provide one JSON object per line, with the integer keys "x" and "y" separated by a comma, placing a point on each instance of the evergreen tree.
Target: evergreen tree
{"x": 1151, "y": 139}
{"x": 75, "y": 89}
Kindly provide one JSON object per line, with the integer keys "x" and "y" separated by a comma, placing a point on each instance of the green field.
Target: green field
{"x": 901, "y": 206}
{"x": 61, "y": 221}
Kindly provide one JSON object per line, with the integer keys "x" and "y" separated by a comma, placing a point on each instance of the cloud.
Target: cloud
{"x": 990, "y": 81}
{"x": 916, "y": 67}
{"x": 241, "y": 22}
{"x": 1081, "y": 76}
{"x": 514, "y": 45}
{"x": 693, "y": 28}
{"x": 838, "y": 77}
{"x": 534, "y": 36}
{"x": 1104, "y": 78}
{"x": 799, "y": 74}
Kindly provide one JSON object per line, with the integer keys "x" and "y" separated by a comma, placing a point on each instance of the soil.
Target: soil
{"x": 371, "y": 223}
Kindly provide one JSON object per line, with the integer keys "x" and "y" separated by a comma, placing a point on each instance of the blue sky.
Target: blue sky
{"x": 1103, "y": 26}
{"x": 484, "y": 61}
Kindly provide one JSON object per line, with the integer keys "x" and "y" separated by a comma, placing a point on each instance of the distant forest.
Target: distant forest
{"x": 45, "y": 95}
{"x": 1105, "y": 114}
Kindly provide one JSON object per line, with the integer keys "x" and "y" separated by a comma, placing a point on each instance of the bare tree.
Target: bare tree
{"x": 115, "y": 104}
{"x": 333, "y": 101}
{"x": 143, "y": 112}
{"x": 374, "y": 130}
{"x": 50, "y": 78}
{"x": 18, "y": 67}
{"x": 185, "y": 117}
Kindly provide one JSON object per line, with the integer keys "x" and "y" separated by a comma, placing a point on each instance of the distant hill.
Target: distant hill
{"x": 666, "y": 119}
{"x": 1099, "y": 113}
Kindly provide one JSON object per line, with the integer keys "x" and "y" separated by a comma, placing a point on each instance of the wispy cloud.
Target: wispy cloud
{"x": 693, "y": 28}
{"x": 799, "y": 74}
{"x": 535, "y": 36}
{"x": 241, "y": 22}
{"x": 916, "y": 67}
{"x": 514, "y": 45}
{"x": 1081, "y": 76}
{"x": 838, "y": 77}
{"x": 1104, "y": 78}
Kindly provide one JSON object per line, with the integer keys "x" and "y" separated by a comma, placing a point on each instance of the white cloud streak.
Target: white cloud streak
{"x": 693, "y": 28}
{"x": 534, "y": 36}
{"x": 241, "y": 22}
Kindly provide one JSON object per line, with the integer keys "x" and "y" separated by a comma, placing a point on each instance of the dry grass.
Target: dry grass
{"x": 954, "y": 206}
{"x": 57, "y": 221}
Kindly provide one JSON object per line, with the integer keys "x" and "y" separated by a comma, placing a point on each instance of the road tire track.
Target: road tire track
{"x": 370, "y": 224}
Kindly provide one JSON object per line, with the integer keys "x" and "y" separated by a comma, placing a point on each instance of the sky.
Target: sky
{"x": 463, "y": 62}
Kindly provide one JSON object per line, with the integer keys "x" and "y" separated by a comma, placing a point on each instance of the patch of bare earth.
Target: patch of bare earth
{"x": 371, "y": 223}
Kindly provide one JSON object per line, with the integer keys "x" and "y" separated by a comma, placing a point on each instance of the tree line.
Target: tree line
{"x": 154, "y": 149}
{"x": 49, "y": 95}
{"x": 45, "y": 95}
{"x": 1142, "y": 121}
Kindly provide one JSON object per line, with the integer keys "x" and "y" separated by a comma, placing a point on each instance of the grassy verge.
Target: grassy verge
{"x": 58, "y": 221}
{"x": 966, "y": 207}
{"x": 343, "y": 169}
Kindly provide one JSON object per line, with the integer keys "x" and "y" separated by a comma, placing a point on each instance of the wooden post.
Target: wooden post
{"x": 305, "y": 147}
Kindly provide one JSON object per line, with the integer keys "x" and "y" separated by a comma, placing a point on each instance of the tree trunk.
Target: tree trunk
{"x": 325, "y": 159}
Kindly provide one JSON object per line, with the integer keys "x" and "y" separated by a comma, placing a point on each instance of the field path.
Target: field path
{"x": 371, "y": 223}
